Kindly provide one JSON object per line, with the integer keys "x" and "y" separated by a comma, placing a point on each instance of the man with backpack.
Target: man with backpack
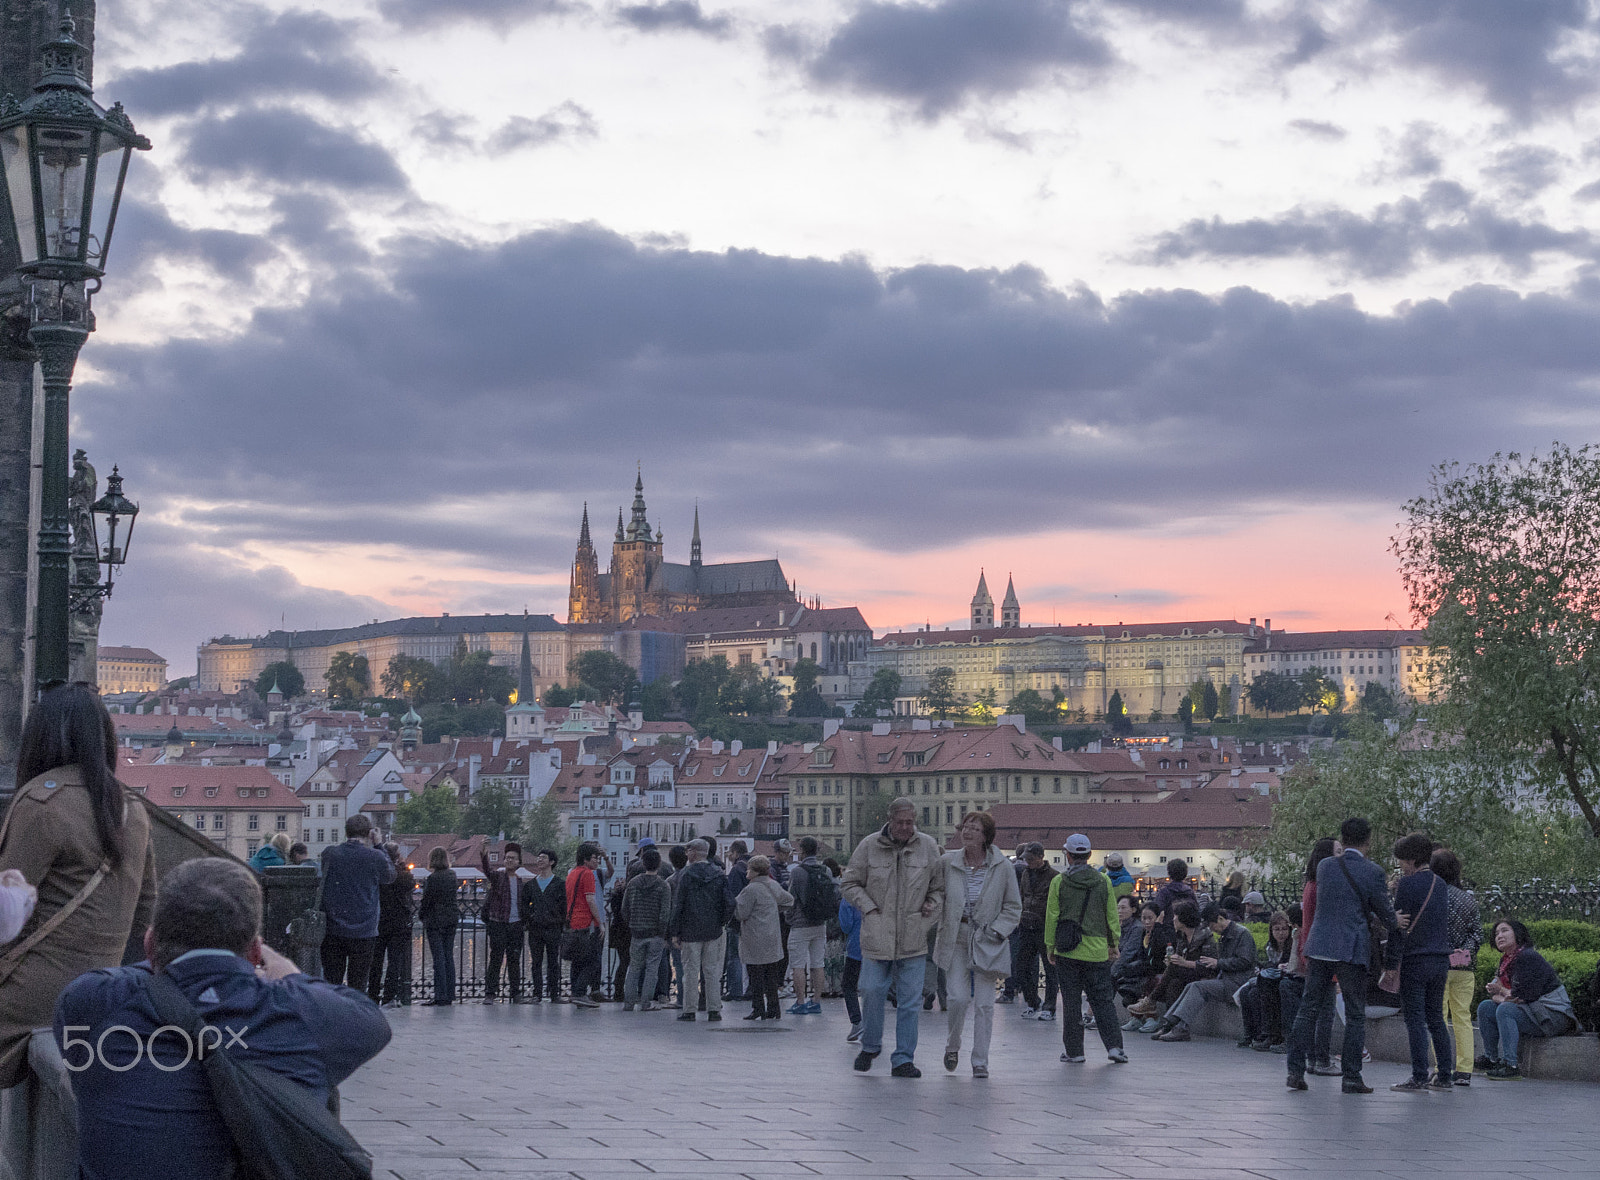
{"x": 698, "y": 925}
{"x": 1079, "y": 921}
{"x": 816, "y": 899}
{"x": 145, "y": 1104}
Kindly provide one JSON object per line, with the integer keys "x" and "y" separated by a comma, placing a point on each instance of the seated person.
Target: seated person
{"x": 1526, "y": 999}
{"x": 144, "y": 1106}
{"x": 1141, "y": 954}
{"x": 1260, "y": 1000}
{"x": 1255, "y": 907}
{"x": 1229, "y": 966}
{"x": 1192, "y": 940}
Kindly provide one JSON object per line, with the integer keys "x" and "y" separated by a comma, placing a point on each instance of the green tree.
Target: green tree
{"x": 433, "y": 811}
{"x": 412, "y": 678}
{"x": 490, "y": 812}
{"x": 1378, "y": 702}
{"x": 872, "y": 811}
{"x": 1320, "y": 692}
{"x": 473, "y": 678}
{"x": 1273, "y": 692}
{"x": 446, "y": 717}
{"x": 880, "y": 694}
{"x": 602, "y": 677}
{"x": 541, "y": 826}
{"x": 556, "y": 697}
{"x": 286, "y": 676}
{"x": 700, "y": 687}
{"x": 940, "y": 698}
{"x": 1186, "y": 714}
{"x": 347, "y": 676}
{"x": 982, "y": 708}
{"x": 1117, "y": 714}
{"x": 1210, "y": 703}
{"x": 1031, "y": 704}
{"x": 1503, "y": 561}
{"x": 655, "y": 699}
{"x": 806, "y": 700}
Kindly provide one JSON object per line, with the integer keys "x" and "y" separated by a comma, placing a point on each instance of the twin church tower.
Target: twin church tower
{"x": 640, "y": 581}
{"x": 983, "y": 606}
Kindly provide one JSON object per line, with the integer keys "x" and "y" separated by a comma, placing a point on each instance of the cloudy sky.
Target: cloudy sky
{"x": 1164, "y": 305}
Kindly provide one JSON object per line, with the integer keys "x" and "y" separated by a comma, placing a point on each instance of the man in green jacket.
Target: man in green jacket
{"x": 1082, "y": 905}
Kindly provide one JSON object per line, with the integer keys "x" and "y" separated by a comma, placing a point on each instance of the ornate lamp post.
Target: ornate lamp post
{"x": 65, "y": 160}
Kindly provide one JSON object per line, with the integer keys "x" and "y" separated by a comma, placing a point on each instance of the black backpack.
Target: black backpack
{"x": 819, "y": 900}
{"x": 278, "y": 1126}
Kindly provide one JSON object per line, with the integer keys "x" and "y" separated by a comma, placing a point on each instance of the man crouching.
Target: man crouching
{"x": 144, "y": 1105}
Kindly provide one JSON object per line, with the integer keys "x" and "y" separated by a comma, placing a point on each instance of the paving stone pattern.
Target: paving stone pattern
{"x": 551, "y": 1090}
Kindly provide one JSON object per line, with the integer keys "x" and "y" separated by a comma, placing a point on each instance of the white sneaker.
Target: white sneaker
{"x": 1067, "y": 1058}
{"x": 1047, "y": 1014}
{"x": 1118, "y": 1056}
{"x": 1029, "y": 1014}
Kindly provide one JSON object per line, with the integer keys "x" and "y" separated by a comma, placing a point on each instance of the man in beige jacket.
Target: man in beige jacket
{"x": 896, "y": 880}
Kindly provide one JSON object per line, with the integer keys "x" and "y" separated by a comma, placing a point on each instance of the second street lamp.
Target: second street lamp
{"x": 65, "y": 160}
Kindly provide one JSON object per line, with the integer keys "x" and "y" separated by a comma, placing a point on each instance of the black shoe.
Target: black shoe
{"x": 1410, "y": 1086}
{"x": 1245, "y": 1043}
{"x": 1356, "y": 1087}
{"x": 1297, "y": 1081}
{"x": 906, "y": 1070}
{"x": 713, "y": 1015}
{"x": 864, "y": 1061}
{"x": 1463, "y": 1079}
{"x": 951, "y": 1060}
{"x": 1442, "y": 1081}
{"x": 689, "y": 1016}
{"x": 1504, "y": 1073}
{"x": 1483, "y": 1063}
{"x": 755, "y": 1015}
{"x": 927, "y": 1004}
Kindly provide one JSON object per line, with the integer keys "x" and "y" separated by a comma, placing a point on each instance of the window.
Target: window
{"x": 320, "y": 813}
{"x": 216, "y": 823}
{"x": 199, "y": 821}
{"x": 321, "y": 836}
{"x": 333, "y": 811}
{"x": 713, "y": 800}
{"x": 811, "y": 787}
{"x": 280, "y": 823}
{"x": 949, "y": 813}
{"x": 963, "y": 784}
{"x": 1056, "y": 785}
{"x": 925, "y": 820}
{"x": 253, "y": 823}
{"x": 811, "y": 817}
{"x": 250, "y": 847}
{"x": 1035, "y": 784}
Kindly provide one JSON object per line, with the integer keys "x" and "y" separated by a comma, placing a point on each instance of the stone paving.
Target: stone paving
{"x": 551, "y": 1090}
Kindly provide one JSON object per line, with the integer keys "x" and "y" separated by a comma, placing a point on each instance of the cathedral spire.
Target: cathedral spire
{"x": 525, "y": 671}
{"x": 1010, "y": 608}
{"x": 639, "y": 526}
{"x": 694, "y": 543}
{"x": 982, "y": 605}
{"x": 583, "y": 533}
{"x": 619, "y": 526}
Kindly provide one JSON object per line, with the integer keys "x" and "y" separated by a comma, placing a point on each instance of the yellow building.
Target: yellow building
{"x": 130, "y": 669}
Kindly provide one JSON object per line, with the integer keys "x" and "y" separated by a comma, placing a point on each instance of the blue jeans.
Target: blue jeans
{"x": 644, "y": 964}
{"x": 1290, "y": 989}
{"x": 876, "y": 976}
{"x": 441, "y": 949}
{"x": 1422, "y": 980}
{"x": 1502, "y": 1027}
{"x": 1318, "y": 998}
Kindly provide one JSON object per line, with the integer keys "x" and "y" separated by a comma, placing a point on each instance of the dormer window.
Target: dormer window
{"x": 211, "y": 792}
{"x": 177, "y": 792}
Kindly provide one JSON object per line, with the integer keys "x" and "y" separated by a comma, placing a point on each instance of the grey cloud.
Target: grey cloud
{"x": 278, "y": 146}
{"x": 1526, "y": 56}
{"x": 1418, "y": 155}
{"x": 937, "y": 56}
{"x": 500, "y": 14}
{"x": 1525, "y": 170}
{"x": 1317, "y": 129}
{"x": 567, "y": 121}
{"x": 1446, "y": 222}
{"x": 146, "y": 232}
{"x": 289, "y": 54}
{"x": 1588, "y": 192}
{"x": 467, "y": 399}
{"x": 672, "y": 15}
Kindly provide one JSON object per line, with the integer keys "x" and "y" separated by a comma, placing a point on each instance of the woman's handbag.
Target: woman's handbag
{"x": 991, "y": 952}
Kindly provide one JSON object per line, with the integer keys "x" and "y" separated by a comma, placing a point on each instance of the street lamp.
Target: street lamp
{"x": 115, "y": 508}
{"x": 65, "y": 159}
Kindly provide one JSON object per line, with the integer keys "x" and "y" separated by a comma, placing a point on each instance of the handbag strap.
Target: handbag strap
{"x": 1366, "y": 904}
{"x": 17, "y": 953}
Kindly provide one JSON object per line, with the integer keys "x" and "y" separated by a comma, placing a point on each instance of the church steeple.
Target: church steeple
{"x": 639, "y": 526}
{"x": 1010, "y": 608}
{"x": 619, "y": 526}
{"x": 694, "y": 543}
{"x": 525, "y": 670}
{"x": 583, "y": 593}
{"x": 982, "y": 605}
{"x": 583, "y": 533}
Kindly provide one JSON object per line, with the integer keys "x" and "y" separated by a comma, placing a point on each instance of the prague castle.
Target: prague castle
{"x": 640, "y": 581}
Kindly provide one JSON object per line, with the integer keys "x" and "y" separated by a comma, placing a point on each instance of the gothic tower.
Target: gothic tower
{"x": 982, "y": 606}
{"x": 694, "y": 544}
{"x": 1010, "y": 608}
{"x": 583, "y": 595}
{"x": 635, "y": 557}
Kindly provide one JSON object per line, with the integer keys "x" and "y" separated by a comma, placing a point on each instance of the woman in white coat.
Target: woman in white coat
{"x": 982, "y": 906}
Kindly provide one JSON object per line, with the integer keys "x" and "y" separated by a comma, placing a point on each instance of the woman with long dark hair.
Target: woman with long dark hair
{"x": 77, "y": 837}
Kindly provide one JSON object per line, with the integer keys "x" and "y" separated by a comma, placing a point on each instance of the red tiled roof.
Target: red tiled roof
{"x": 1128, "y": 825}
{"x": 161, "y": 784}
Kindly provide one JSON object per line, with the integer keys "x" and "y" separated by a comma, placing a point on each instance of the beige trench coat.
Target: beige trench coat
{"x": 889, "y": 883}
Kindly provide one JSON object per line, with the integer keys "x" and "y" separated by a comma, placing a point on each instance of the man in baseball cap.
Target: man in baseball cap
{"x": 1255, "y": 907}
{"x": 1080, "y": 924}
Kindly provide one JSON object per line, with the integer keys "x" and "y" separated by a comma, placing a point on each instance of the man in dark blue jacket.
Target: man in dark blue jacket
{"x": 351, "y": 874}
{"x": 698, "y": 922}
{"x": 144, "y": 1106}
{"x": 1339, "y": 946}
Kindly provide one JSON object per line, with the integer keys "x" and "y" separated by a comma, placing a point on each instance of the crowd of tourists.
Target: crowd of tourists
{"x": 693, "y": 927}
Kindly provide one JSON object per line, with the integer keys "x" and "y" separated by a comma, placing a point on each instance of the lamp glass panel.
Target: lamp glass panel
{"x": 19, "y": 183}
{"x": 113, "y": 157}
{"x": 63, "y": 154}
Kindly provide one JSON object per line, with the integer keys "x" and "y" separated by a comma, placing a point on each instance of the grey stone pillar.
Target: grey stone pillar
{"x": 25, "y": 25}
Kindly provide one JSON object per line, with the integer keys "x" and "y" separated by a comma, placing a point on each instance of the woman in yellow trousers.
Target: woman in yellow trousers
{"x": 1466, "y": 935}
